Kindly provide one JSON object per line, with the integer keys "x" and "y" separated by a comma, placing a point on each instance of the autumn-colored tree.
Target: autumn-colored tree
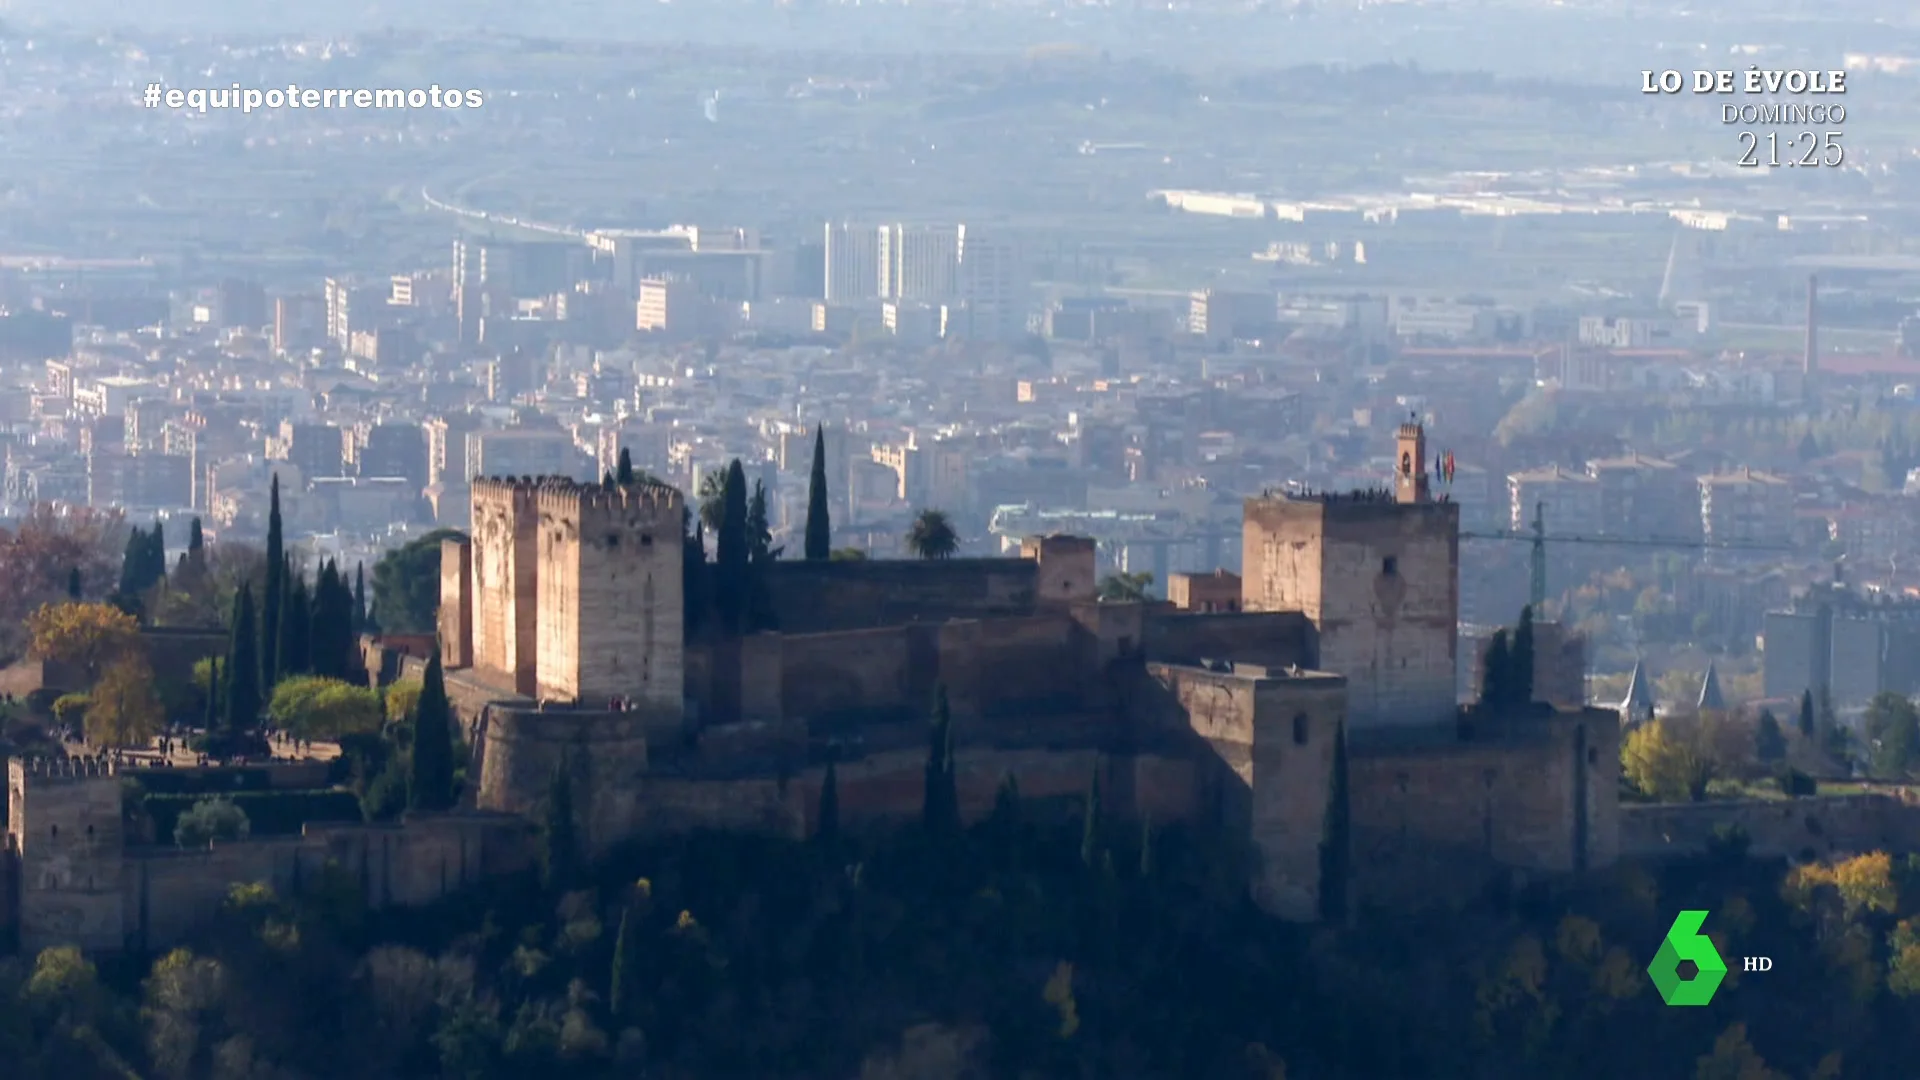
{"x": 38, "y": 558}
{"x": 124, "y": 709}
{"x": 86, "y": 637}
{"x": 1664, "y": 763}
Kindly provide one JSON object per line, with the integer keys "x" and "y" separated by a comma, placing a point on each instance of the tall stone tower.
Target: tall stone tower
{"x": 1378, "y": 575}
{"x": 64, "y": 823}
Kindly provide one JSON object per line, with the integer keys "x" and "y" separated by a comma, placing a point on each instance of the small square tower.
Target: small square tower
{"x": 64, "y": 826}
{"x": 1410, "y": 482}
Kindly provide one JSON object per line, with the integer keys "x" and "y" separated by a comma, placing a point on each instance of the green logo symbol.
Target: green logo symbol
{"x": 1685, "y": 943}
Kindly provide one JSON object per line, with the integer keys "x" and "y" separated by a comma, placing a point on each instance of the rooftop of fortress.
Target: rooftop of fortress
{"x": 562, "y": 491}
{"x": 55, "y": 770}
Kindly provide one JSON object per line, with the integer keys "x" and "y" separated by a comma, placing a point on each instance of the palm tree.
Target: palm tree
{"x": 932, "y": 535}
{"x": 713, "y": 487}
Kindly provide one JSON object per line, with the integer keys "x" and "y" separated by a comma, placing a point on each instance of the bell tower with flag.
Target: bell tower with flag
{"x": 1410, "y": 480}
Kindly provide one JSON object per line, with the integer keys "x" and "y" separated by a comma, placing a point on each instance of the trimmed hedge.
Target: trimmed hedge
{"x": 203, "y": 781}
{"x": 269, "y": 813}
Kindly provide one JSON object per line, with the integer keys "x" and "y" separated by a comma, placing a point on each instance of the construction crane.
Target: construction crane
{"x": 1538, "y": 538}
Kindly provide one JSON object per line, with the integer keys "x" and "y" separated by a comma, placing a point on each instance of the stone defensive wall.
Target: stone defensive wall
{"x": 605, "y": 755}
{"x": 170, "y": 893}
{"x": 1814, "y": 827}
{"x": 815, "y": 596}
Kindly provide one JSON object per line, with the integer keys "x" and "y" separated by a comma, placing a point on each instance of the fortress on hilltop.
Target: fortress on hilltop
{"x": 564, "y": 634}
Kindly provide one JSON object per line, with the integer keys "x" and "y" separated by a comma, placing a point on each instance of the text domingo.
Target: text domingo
{"x": 1750, "y": 81}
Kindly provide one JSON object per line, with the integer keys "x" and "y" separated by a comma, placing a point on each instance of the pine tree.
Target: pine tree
{"x": 620, "y": 984}
{"x": 430, "y": 780}
{"x": 1520, "y": 662}
{"x": 73, "y": 584}
{"x": 296, "y": 634}
{"x": 827, "y": 829}
{"x": 730, "y": 576}
{"x": 559, "y": 845}
{"x": 819, "y": 523}
{"x": 1336, "y": 847}
{"x": 939, "y": 807}
{"x": 1806, "y": 714}
{"x": 241, "y": 696}
{"x": 1090, "y": 825}
{"x": 275, "y": 591}
{"x": 625, "y": 474}
{"x": 1496, "y": 688}
{"x": 359, "y": 620}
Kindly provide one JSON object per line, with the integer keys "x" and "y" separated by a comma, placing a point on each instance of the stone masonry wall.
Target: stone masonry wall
{"x": 1818, "y": 827}
{"x": 818, "y": 597}
{"x": 169, "y": 893}
{"x": 505, "y": 591}
{"x": 67, "y": 830}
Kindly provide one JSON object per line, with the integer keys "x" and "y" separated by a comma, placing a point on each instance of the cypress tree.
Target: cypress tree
{"x": 196, "y": 541}
{"x": 620, "y": 984}
{"x": 1090, "y": 826}
{"x": 430, "y": 780}
{"x": 625, "y": 474}
{"x": 1496, "y": 688}
{"x": 73, "y": 584}
{"x": 819, "y": 523}
{"x": 329, "y": 622}
{"x": 693, "y": 577}
{"x": 1806, "y": 714}
{"x": 275, "y": 590}
{"x": 1521, "y": 659}
{"x": 240, "y": 707}
{"x": 1336, "y": 845}
{"x": 296, "y": 635}
{"x": 359, "y": 620}
{"x": 212, "y": 719}
{"x": 940, "y": 803}
{"x": 731, "y": 581}
{"x": 606, "y": 480}
{"x": 827, "y": 828}
{"x": 133, "y": 563}
{"x": 559, "y": 847}
{"x": 156, "y": 555}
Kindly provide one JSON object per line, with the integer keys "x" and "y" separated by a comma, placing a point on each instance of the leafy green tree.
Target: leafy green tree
{"x": 1336, "y": 848}
{"x": 559, "y": 834}
{"x": 1124, "y": 588}
{"x": 940, "y": 804}
{"x": 430, "y": 785}
{"x": 273, "y": 594}
{"x": 1769, "y": 741}
{"x": 209, "y": 820}
{"x": 406, "y": 584}
{"x": 315, "y": 707}
{"x": 1892, "y": 728}
{"x": 819, "y": 519}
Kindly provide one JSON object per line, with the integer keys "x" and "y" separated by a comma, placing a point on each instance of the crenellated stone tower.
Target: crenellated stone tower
{"x": 64, "y": 826}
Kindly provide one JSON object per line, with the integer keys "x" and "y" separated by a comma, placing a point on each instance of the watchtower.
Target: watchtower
{"x": 505, "y": 589}
{"x": 64, "y": 825}
{"x": 1378, "y": 575}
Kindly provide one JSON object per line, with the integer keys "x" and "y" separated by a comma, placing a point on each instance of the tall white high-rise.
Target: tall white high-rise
{"x": 852, "y": 262}
{"x": 920, "y": 262}
{"x": 993, "y": 285}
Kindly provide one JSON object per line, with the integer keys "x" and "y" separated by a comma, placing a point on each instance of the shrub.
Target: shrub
{"x": 209, "y": 820}
{"x": 40, "y": 701}
{"x": 71, "y": 710}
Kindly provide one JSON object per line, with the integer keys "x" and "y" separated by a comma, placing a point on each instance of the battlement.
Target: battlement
{"x": 514, "y": 491}
{"x": 1412, "y": 430}
{"x": 49, "y": 771}
{"x": 573, "y": 500}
